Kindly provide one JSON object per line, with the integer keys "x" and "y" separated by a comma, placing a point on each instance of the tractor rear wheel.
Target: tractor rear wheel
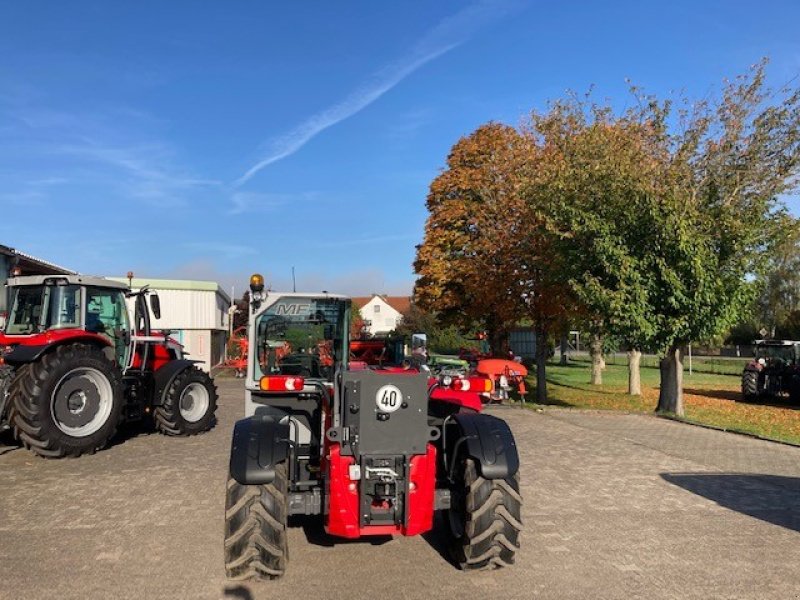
{"x": 67, "y": 403}
{"x": 189, "y": 405}
{"x": 750, "y": 386}
{"x": 484, "y": 519}
{"x": 255, "y": 528}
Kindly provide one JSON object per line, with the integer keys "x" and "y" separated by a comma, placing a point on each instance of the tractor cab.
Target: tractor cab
{"x": 777, "y": 352}
{"x": 49, "y": 309}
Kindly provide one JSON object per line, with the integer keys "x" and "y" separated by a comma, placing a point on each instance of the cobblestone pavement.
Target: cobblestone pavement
{"x": 616, "y": 506}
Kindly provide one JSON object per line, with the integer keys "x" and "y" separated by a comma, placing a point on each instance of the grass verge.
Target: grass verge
{"x": 709, "y": 399}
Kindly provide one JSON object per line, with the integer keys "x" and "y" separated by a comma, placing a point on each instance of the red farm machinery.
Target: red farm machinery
{"x": 74, "y": 366}
{"x": 374, "y": 451}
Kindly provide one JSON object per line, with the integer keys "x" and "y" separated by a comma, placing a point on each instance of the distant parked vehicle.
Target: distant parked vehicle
{"x": 774, "y": 371}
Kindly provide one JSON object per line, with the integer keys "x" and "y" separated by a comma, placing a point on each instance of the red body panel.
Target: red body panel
{"x": 53, "y": 336}
{"x": 343, "y": 501}
{"x": 421, "y": 499}
{"x": 343, "y": 513}
{"x": 160, "y": 355}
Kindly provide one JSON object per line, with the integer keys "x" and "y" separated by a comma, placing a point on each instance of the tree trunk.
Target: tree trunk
{"x": 634, "y": 374}
{"x": 541, "y": 364}
{"x": 498, "y": 340}
{"x": 564, "y": 346}
{"x": 596, "y": 352}
{"x": 670, "y": 395}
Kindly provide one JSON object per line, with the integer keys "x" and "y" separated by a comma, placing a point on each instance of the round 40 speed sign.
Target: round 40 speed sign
{"x": 389, "y": 398}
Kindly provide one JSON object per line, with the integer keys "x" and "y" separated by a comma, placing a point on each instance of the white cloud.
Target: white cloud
{"x": 448, "y": 34}
{"x": 260, "y": 202}
{"x": 111, "y": 147}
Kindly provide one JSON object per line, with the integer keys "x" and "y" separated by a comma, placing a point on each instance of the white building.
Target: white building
{"x": 382, "y": 314}
{"x": 196, "y": 312}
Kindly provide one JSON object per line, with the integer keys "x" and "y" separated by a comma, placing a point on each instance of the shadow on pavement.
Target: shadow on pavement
{"x": 771, "y": 498}
{"x": 8, "y": 443}
{"x": 437, "y": 537}
{"x": 314, "y": 530}
{"x": 237, "y": 592}
{"x": 7, "y": 449}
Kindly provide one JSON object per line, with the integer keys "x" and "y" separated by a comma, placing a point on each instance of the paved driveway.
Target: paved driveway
{"x": 616, "y": 507}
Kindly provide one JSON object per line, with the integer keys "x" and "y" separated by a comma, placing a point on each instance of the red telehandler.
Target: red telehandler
{"x": 375, "y": 451}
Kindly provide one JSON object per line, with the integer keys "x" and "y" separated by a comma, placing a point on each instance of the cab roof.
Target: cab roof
{"x": 69, "y": 279}
{"x": 776, "y": 342}
{"x": 314, "y": 295}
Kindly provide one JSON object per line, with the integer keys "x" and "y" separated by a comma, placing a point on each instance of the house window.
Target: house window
{"x": 377, "y": 308}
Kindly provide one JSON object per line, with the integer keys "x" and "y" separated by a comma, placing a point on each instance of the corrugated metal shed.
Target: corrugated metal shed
{"x": 187, "y": 304}
{"x": 195, "y": 311}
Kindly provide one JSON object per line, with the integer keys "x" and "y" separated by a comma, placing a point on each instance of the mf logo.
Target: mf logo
{"x": 293, "y": 309}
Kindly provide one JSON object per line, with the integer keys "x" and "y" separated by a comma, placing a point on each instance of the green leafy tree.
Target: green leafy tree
{"x": 667, "y": 212}
{"x": 779, "y": 286}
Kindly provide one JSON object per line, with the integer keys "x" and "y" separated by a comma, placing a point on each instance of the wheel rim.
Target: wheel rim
{"x": 194, "y": 402}
{"x": 82, "y": 402}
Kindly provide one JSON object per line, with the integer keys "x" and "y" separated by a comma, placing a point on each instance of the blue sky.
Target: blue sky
{"x": 211, "y": 140}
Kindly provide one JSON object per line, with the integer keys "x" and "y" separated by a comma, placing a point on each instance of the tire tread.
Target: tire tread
{"x": 255, "y": 528}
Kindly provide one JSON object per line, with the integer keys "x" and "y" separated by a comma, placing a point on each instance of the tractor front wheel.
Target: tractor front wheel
{"x": 255, "y": 528}
{"x": 67, "y": 403}
{"x": 484, "y": 519}
{"x": 189, "y": 405}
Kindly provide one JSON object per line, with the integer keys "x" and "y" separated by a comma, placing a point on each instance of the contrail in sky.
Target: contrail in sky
{"x": 448, "y": 34}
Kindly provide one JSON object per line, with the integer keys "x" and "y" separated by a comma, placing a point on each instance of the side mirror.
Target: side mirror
{"x": 155, "y": 305}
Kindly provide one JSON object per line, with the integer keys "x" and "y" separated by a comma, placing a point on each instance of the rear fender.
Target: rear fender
{"x": 164, "y": 377}
{"x": 22, "y": 354}
{"x": 259, "y": 443}
{"x": 484, "y": 438}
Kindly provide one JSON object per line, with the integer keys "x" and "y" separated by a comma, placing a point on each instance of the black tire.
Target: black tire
{"x": 67, "y": 403}
{"x": 255, "y": 528}
{"x": 484, "y": 519}
{"x": 750, "y": 386}
{"x": 189, "y": 404}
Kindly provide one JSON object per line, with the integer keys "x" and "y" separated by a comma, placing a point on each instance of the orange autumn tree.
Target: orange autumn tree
{"x": 487, "y": 255}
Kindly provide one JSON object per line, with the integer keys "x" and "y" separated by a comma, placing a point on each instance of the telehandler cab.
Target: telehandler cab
{"x": 375, "y": 451}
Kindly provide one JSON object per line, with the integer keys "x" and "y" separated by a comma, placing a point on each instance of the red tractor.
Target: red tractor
{"x": 73, "y": 367}
{"x": 374, "y": 451}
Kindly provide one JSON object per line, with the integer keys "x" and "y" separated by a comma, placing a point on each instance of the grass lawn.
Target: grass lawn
{"x": 709, "y": 399}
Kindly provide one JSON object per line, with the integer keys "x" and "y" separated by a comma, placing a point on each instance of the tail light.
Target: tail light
{"x": 282, "y": 383}
{"x": 478, "y": 385}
